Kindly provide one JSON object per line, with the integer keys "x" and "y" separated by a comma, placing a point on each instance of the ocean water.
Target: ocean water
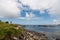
{"x": 52, "y": 32}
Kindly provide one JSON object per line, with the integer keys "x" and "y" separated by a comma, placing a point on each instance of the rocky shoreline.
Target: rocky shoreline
{"x": 31, "y": 35}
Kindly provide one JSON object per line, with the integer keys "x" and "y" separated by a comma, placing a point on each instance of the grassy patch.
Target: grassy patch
{"x": 8, "y": 31}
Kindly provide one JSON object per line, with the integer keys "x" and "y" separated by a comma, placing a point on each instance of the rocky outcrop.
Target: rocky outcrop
{"x": 31, "y": 35}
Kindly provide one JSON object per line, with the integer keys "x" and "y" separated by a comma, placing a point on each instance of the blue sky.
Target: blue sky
{"x": 40, "y": 12}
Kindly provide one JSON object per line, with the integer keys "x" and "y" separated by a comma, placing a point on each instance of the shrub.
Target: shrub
{"x": 6, "y": 22}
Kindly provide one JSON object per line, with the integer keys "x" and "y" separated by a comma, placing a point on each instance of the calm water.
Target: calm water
{"x": 50, "y": 31}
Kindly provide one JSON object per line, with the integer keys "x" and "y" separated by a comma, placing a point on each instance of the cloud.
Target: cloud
{"x": 54, "y": 5}
{"x": 9, "y": 8}
{"x": 55, "y": 9}
{"x": 56, "y": 21}
{"x": 38, "y": 4}
{"x": 29, "y": 15}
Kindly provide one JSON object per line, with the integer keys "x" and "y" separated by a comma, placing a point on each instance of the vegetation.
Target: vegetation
{"x": 8, "y": 31}
{"x": 6, "y": 22}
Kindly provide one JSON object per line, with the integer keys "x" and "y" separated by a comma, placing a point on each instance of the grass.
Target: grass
{"x": 8, "y": 31}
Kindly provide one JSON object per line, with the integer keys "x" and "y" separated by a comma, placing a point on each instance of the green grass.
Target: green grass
{"x": 7, "y": 31}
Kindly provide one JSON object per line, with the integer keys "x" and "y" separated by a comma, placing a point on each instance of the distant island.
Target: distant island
{"x": 42, "y": 25}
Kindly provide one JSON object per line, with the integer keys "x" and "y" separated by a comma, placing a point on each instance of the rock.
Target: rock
{"x": 15, "y": 38}
{"x": 31, "y": 35}
{"x": 57, "y": 39}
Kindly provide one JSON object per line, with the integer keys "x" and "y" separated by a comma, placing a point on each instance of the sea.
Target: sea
{"x": 51, "y": 32}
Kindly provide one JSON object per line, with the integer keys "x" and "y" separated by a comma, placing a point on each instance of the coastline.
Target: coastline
{"x": 32, "y": 35}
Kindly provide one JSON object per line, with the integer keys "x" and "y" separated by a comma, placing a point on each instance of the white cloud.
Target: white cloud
{"x": 29, "y": 16}
{"x": 38, "y": 4}
{"x": 44, "y": 4}
{"x": 9, "y": 8}
{"x": 56, "y": 21}
{"x": 55, "y": 9}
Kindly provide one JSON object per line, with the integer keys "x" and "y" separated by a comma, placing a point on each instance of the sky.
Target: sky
{"x": 30, "y": 12}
